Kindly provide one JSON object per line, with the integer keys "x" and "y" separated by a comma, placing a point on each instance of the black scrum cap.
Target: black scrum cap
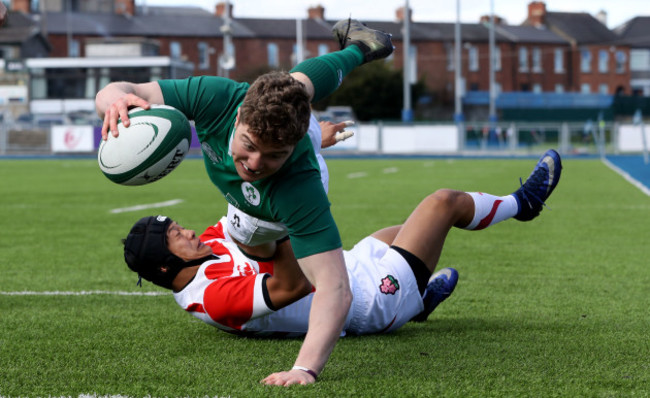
{"x": 145, "y": 251}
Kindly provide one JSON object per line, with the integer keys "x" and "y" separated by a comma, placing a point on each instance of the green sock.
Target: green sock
{"x": 326, "y": 72}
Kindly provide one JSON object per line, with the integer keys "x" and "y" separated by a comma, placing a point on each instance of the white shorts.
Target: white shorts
{"x": 386, "y": 296}
{"x": 252, "y": 231}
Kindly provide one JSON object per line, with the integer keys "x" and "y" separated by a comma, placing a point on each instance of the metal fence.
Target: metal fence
{"x": 24, "y": 139}
{"x": 530, "y": 137}
{"x": 504, "y": 138}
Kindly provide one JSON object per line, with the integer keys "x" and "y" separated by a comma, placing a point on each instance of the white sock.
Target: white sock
{"x": 490, "y": 209}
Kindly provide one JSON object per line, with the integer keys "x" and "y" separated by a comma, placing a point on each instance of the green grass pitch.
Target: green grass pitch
{"x": 557, "y": 307}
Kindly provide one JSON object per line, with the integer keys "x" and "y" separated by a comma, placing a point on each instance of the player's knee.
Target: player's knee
{"x": 444, "y": 199}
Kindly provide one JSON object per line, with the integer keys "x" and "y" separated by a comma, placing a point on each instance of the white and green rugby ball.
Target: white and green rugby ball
{"x": 151, "y": 147}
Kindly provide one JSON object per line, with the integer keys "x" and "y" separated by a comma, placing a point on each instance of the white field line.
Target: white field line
{"x": 83, "y": 293}
{"x": 390, "y": 170}
{"x": 628, "y": 177}
{"x": 359, "y": 174}
{"x": 147, "y": 206}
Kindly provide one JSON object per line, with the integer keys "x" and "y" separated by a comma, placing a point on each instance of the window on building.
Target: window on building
{"x": 537, "y": 59}
{"x": 323, "y": 49}
{"x": 639, "y": 60}
{"x": 559, "y": 88}
{"x": 230, "y": 52}
{"x": 91, "y": 83}
{"x": 8, "y": 52}
{"x": 175, "y": 50}
{"x": 558, "y": 60}
{"x": 449, "y": 49}
{"x": 523, "y": 59}
{"x": 621, "y": 61}
{"x": 66, "y": 83}
{"x": 603, "y": 61}
{"x": 75, "y": 49}
{"x": 537, "y": 88}
{"x": 38, "y": 83}
{"x": 585, "y": 88}
{"x": 297, "y": 57}
{"x": 204, "y": 55}
{"x": 77, "y": 83}
{"x": 472, "y": 54}
{"x": 273, "y": 55}
{"x": 585, "y": 61}
{"x": 104, "y": 76}
{"x": 525, "y": 87}
{"x": 603, "y": 88}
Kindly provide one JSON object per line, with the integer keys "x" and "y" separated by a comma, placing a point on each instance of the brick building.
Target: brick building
{"x": 548, "y": 53}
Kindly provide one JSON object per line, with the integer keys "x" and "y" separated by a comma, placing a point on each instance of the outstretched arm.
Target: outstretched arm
{"x": 114, "y": 101}
{"x": 288, "y": 284}
{"x": 322, "y": 75}
{"x": 304, "y": 79}
{"x": 329, "y": 309}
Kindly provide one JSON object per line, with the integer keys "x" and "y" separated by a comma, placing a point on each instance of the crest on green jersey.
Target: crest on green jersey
{"x": 251, "y": 193}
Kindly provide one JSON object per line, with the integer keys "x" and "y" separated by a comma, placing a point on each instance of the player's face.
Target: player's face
{"x": 185, "y": 244}
{"x": 255, "y": 160}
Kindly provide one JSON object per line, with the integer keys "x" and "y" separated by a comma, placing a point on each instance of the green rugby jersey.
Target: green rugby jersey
{"x": 294, "y": 195}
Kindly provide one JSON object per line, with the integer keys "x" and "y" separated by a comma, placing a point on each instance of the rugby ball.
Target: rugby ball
{"x": 151, "y": 147}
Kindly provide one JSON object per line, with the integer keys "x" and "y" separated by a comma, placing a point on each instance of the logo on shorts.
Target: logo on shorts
{"x": 251, "y": 193}
{"x": 389, "y": 285}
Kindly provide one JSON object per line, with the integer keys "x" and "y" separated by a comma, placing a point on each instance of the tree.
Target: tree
{"x": 374, "y": 91}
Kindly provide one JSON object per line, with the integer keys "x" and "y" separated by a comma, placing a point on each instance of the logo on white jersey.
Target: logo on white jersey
{"x": 251, "y": 193}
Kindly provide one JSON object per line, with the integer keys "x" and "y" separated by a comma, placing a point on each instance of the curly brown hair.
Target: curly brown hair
{"x": 276, "y": 109}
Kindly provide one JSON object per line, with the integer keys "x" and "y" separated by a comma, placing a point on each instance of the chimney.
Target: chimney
{"x": 125, "y": 7}
{"x": 536, "y": 13}
{"x": 21, "y": 6}
{"x": 485, "y": 19}
{"x": 316, "y": 12}
{"x": 221, "y": 9}
{"x": 399, "y": 14}
{"x": 602, "y": 17}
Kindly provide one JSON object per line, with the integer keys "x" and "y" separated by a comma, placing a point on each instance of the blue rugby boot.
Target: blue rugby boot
{"x": 538, "y": 187}
{"x": 440, "y": 286}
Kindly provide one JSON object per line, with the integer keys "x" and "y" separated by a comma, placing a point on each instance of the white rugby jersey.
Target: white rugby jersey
{"x": 227, "y": 292}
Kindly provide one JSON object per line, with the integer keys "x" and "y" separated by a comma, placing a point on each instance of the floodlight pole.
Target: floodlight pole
{"x": 407, "y": 112}
{"x": 458, "y": 115}
{"x": 457, "y": 66}
{"x": 226, "y": 59}
{"x": 68, "y": 27}
{"x": 300, "y": 46}
{"x": 493, "y": 91}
